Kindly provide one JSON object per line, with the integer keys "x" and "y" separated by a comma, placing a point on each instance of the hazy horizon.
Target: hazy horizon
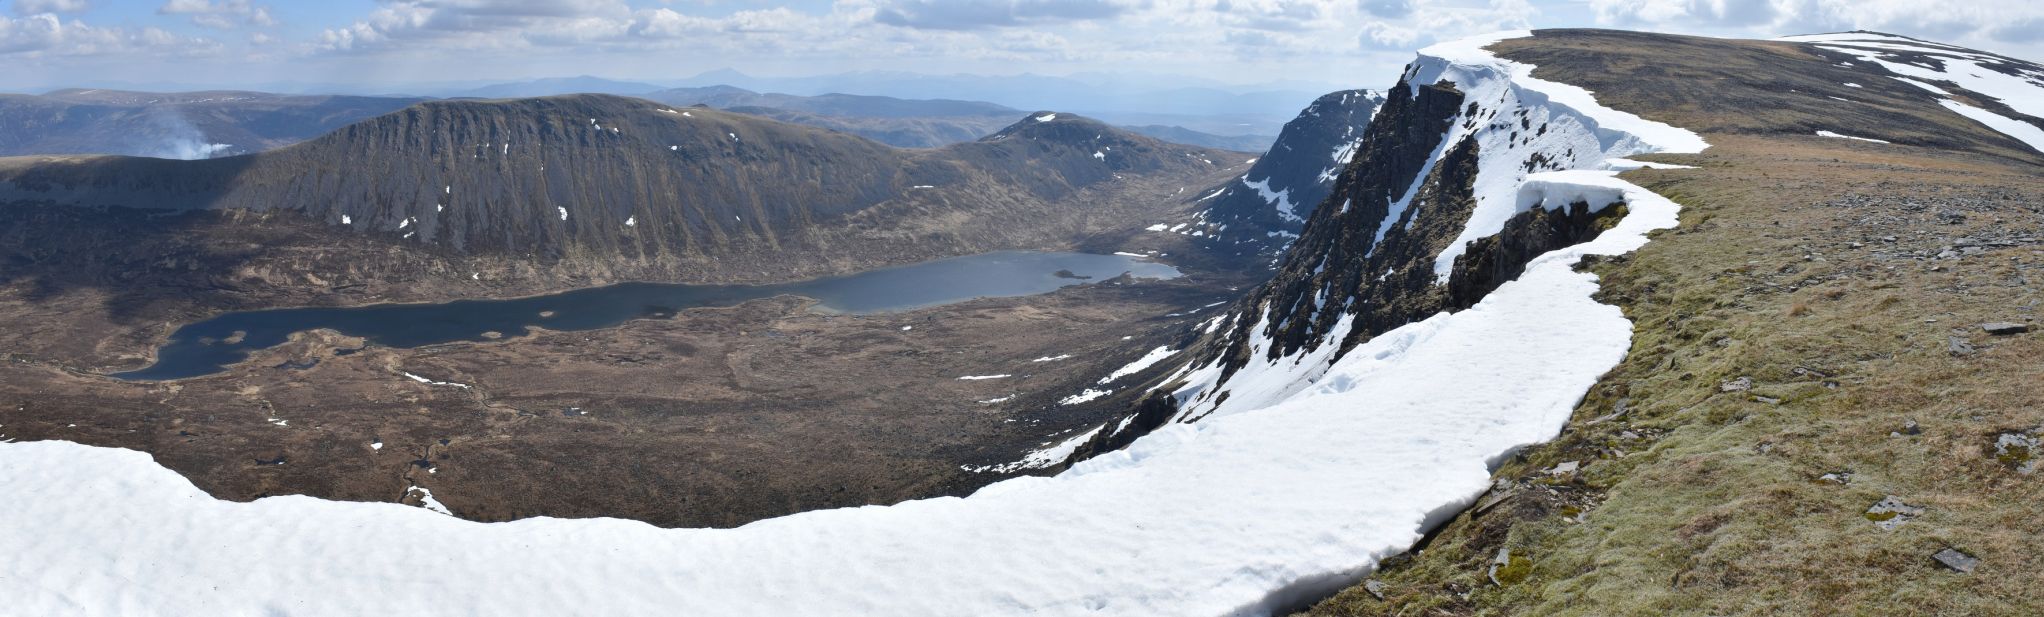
{"x": 402, "y": 46}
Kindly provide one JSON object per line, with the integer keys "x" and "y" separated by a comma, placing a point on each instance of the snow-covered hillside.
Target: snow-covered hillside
{"x": 2017, "y": 85}
{"x": 1270, "y": 201}
{"x": 1317, "y": 465}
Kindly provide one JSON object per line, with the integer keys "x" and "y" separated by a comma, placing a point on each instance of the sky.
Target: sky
{"x": 367, "y": 45}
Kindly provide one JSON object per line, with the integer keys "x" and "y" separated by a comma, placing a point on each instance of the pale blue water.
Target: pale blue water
{"x": 200, "y": 348}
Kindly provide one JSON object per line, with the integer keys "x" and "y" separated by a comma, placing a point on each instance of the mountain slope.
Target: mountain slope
{"x": 1806, "y": 346}
{"x": 451, "y": 199}
{"x": 598, "y": 178}
{"x": 1296, "y": 173}
{"x": 185, "y": 125}
{"x": 1734, "y": 402}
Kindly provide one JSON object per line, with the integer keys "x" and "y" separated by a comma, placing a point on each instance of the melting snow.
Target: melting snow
{"x": 432, "y": 382}
{"x": 563, "y": 211}
{"x": 1148, "y": 359}
{"x": 1046, "y": 117}
{"x": 631, "y": 221}
{"x": 1052, "y": 358}
{"x": 1831, "y": 134}
{"x": 979, "y": 377}
{"x": 1281, "y": 199}
{"x": 427, "y": 501}
{"x": 2022, "y": 92}
{"x": 1581, "y": 132}
{"x": 1087, "y": 395}
{"x": 1051, "y": 454}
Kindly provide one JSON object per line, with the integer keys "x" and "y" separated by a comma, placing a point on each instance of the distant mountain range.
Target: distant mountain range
{"x": 191, "y": 125}
{"x": 185, "y": 125}
{"x": 558, "y": 85}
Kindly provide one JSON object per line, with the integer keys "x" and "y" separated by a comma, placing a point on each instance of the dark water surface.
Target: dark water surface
{"x": 208, "y": 346}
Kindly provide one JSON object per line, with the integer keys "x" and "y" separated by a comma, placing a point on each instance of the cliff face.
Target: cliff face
{"x": 1271, "y": 202}
{"x": 1446, "y": 199}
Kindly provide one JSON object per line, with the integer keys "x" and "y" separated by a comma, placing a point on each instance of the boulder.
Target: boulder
{"x": 1957, "y": 561}
{"x": 2004, "y": 328}
{"x": 1890, "y": 512}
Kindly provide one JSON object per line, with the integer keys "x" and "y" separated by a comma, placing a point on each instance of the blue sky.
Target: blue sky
{"x": 372, "y": 44}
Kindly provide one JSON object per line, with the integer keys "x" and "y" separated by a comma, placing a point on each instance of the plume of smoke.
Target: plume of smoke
{"x": 180, "y": 139}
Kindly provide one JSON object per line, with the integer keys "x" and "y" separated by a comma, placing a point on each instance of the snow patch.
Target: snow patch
{"x": 1580, "y": 132}
{"x": 432, "y": 382}
{"x": 1088, "y": 394}
{"x": 1831, "y": 134}
{"x": 1148, "y": 359}
{"x": 1049, "y": 455}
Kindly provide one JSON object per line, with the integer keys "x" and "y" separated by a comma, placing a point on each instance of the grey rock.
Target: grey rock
{"x": 1890, "y": 512}
{"x": 1375, "y": 587}
{"x": 1769, "y": 400}
{"x": 1837, "y": 477}
{"x": 1959, "y": 346}
{"x": 1741, "y": 384}
{"x": 2003, "y": 328}
{"x": 2018, "y": 450}
{"x": 1565, "y": 468}
{"x": 1503, "y": 558}
{"x": 1494, "y": 499}
{"x": 1957, "y": 561}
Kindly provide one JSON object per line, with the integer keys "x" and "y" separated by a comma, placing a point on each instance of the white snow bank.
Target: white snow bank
{"x": 2022, "y": 131}
{"x": 433, "y": 382}
{"x": 2022, "y": 92}
{"x": 1840, "y": 136}
{"x": 1148, "y": 360}
{"x": 975, "y": 377}
{"x": 427, "y": 501}
{"x": 1580, "y": 132}
{"x": 2019, "y": 86}
{"x": 1046, "y": 117}
{"x": 1282, "y": 200}
{"x": 1087, "y": 395}
{"x": 1050, "y": 454}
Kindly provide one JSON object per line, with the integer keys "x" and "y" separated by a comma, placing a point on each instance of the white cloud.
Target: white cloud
{"x": 222, "y": 15}
{"x": 47, "y": 35}
{"x": 977, "y": 14}
{"x": 38, "y": 7}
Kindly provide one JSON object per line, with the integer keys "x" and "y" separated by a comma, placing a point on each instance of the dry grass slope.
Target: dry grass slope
{"x": 1816, "y": 313}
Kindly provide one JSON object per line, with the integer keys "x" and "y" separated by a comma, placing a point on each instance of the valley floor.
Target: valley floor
{"x": 717, "y": 417}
